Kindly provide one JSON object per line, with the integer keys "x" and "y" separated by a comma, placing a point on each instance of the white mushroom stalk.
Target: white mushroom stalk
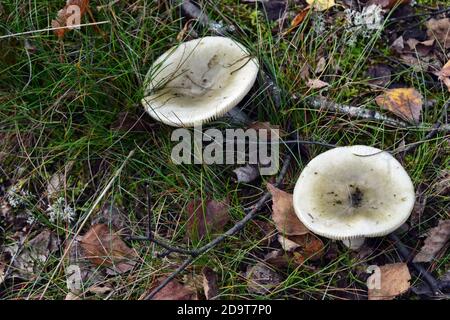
{"x": 198, "y": 81}
{"x": 350, "y": 193}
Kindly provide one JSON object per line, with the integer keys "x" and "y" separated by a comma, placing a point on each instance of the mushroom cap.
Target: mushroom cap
{"x": 198, "y": 81}
{"x": 351, "y": 192}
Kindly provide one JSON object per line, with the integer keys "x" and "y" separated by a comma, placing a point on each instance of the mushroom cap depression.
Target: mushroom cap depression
{"x": 198, "y": 81}
{"x": 352, "y": 192}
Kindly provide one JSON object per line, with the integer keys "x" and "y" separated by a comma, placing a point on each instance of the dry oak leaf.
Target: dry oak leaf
{"x": 439, "y": 30}
{"x": 321, "y": 5}
{"x": 283, "y": 214}
{"x": 104, "y": 247}
{"x": 208, "y": 218}
{"x": 308, "y": 246}
{"x": 404, "y": 102}
{"x": 444, "y": 75}
{"x": 71, "y": 14}
{"x": 437, "y": 238}
{"x": 174, "y": 290}
{"x": 393, "y": 281}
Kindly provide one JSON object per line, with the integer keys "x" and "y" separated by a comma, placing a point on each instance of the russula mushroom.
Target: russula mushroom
{"x": 198, "y": 81}
{"x": 350, "y": 193}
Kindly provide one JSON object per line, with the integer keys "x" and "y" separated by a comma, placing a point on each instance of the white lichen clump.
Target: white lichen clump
{"x": 364, "y": 23}
{"x": 60, "y": 211}
{"x": 319, "y": 25}
{"x": 18, "y": 198}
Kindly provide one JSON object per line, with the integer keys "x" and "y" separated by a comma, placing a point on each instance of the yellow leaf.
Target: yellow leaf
{"x": 321, "y": 5}
{"x": 404, "y": 102}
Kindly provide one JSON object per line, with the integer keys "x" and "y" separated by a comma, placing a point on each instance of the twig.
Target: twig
{"x": 430, "y": 134}
{"x": 432, "y": 13}
{"x": 321, "y": 103}
{"x": 235, "y": 229}
{"x": 192, "y": 11}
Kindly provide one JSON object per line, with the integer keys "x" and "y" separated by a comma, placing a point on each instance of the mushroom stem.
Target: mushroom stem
{"x": 354, "y": 243}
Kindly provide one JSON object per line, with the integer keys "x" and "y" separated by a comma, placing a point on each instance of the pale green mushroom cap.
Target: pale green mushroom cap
{"x": 353, "y": 192}
{"x": 198, "y": 81}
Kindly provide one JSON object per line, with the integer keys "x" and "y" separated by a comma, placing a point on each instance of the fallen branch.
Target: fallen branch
{"x": 320, "y": 103}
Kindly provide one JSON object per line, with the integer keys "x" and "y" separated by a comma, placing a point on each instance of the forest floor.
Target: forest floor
{"x": 80, "y": 158}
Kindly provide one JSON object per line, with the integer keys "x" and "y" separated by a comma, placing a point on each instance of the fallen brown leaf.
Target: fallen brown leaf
{"x": 66, "y": 16}
{"x": 423, "y": 48}
{"x": 439, "y": 29}
{"x": 393, "y": 282}
{"x": 104, "y": 247}
{"x": 320, "y": 67}
{"x": 444, "y": 75}
{"x": 404, "y": 102}
{"x": 308, "y": 246}
{"x": 317, "y": 84}
{"x": 210, "y": 286}
{"x": 174, "y": 290}
{"x": 283, "y": 214}
{"x": 436, "y": 239}
{"x": 58, "y": 180}
{"x": 298, "y": 19}
{"x": 205, "y": 219}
